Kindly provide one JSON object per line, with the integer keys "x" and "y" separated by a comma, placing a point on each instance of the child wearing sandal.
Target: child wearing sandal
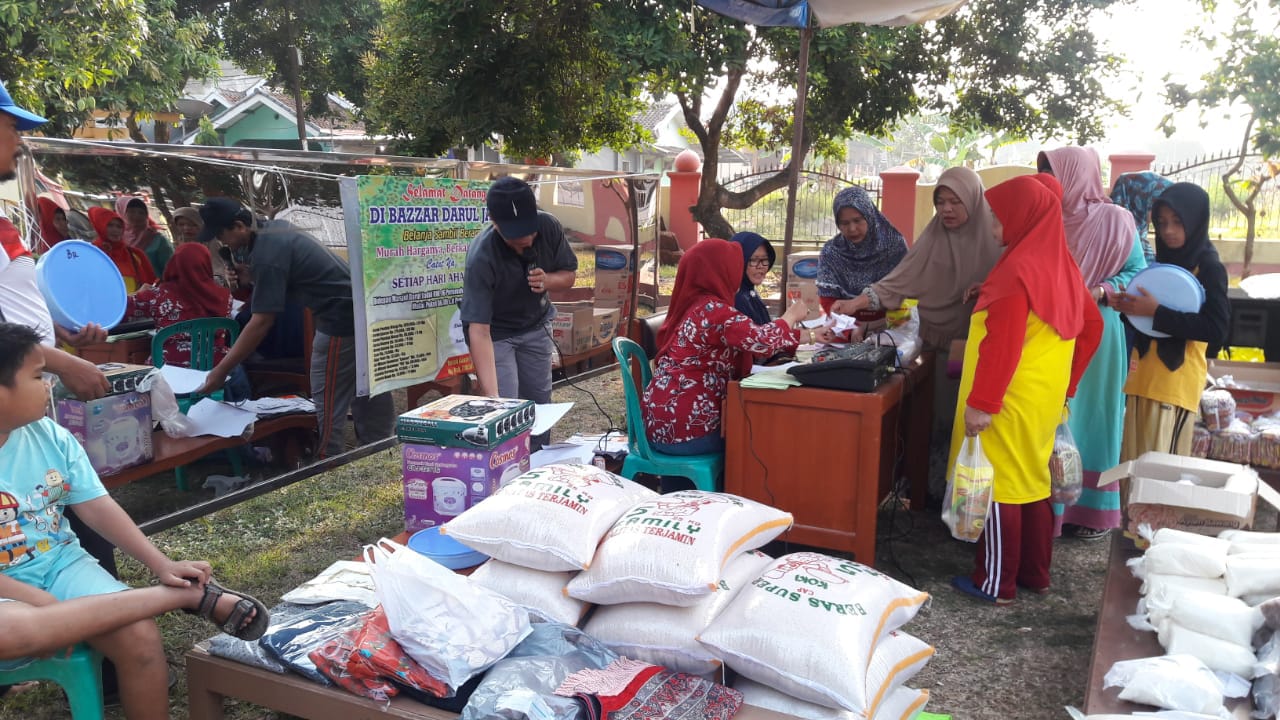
{"x": 44, "y": 469}
{"x": 1167, "y": 374}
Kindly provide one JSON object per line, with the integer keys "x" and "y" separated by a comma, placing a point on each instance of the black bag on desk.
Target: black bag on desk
{"x": 860, "y": 367}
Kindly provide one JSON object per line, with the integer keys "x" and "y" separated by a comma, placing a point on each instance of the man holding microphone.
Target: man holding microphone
{"x": 510, "y": 267}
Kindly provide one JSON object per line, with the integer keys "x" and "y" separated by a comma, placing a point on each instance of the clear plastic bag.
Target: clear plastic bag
{"x": 968, "y": 492}
{"x": 1066, "y": 470}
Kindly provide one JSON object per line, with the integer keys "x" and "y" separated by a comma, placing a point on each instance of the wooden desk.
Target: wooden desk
{"x": 1115, "y": 640}
{"x": 131, "y": 348}
{"x": 292, "y": 432}
{"x": 827, "y": 456}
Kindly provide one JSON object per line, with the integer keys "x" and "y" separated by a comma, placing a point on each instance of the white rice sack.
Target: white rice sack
{"x": 1185, "y": 559}
{"x": 763, "y": 696}
{"x": 672, "y": 549}
{"x": 902, "y": 704}
{"x": 1173, "y": 535}
{"x": 1250, "y": 536}
{"x": 1225, "y": 618}
{"x": 896, "y": 660}
{"x": 1216, "y": 654}
{"x": 1256, "y": 599}
{"x": 665, "y": 634}
{"x": 550, "y": 518}
{"x": 809, "y": 625}
{"x": 1254, "y": 548}
{"x": 1155, "y": 583}
{"x": 1252, "y": 575}
{"x": 540, "y": 591}
{"x": 1175, "y": 682}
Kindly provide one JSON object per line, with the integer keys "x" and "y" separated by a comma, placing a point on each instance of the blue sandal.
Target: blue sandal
{"x": 964, "y": 584}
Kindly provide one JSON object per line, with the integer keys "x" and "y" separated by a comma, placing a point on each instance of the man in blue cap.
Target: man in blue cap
{"x": 288, "y": 265}
{"x": 511, "y": 266}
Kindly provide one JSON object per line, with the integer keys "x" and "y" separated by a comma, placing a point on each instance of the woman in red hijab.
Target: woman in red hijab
{"x": 188, "y": 292}
{"x": 53, "y": 222}
{"x": 132, "y": 262}
{"x": 704, "y": 343}
{"x": 1032, "y": 334}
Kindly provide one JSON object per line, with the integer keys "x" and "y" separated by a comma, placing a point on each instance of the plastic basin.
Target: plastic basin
{"x": 444, "y": 549}
{"x": 81, "y": 285}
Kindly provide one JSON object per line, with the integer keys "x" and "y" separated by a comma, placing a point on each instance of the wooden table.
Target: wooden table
{"x": 291, "y": 432}
{"x": 828, "y": 456}
{"x": 1115, "y": 640}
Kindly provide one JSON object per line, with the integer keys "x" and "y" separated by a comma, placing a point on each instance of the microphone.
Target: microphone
{"x": 530, "y": 258}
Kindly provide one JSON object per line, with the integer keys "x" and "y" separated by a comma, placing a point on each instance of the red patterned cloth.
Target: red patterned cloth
{"x": 167, "y": 307}
{"x": 331, "y": 661}
{"x": 377, "y": 654}
{"x": 631, "y": 690}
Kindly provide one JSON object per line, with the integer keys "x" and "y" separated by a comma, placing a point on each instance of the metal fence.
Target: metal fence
{"x": 814, "y": 223}
{"x": 1226, "y": 221}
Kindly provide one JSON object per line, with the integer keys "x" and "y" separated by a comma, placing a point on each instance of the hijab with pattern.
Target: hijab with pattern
{"x": 1036, "y": 262}
{"x": 1100, "y": 234}
{"x": 1191, "y": 204}
{"x": 942, "y": 264}
{"x": 748, "y": 300}
{"x": 845, "y": 268}
{"x": 1137, "y": 192}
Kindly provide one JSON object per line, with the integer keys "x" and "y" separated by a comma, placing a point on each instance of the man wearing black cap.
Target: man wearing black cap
{"x": 289, "y": 265}
{"x": 511, "y": 265}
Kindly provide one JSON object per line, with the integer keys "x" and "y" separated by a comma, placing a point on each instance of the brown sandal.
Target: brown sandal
{"x": 238, "y": 624}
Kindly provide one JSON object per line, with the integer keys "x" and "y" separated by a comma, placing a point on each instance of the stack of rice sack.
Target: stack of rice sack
{"x": 1207, "y": 597}
{"x": 541, "y": 529}
{"x": 1231, "y": 435}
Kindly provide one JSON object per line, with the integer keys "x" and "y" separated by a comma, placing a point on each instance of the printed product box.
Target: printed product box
{"x": 441, "y": 482}
{"x": 114, "y": 430}
{"x": 802, "y": 273}
{"x": 466, "y": 421}
{"x": 615, "y": 271}
{"x": 1186, "y": 493}
{"x": 1255, "y": 386}
{"x": 605, "y": 326}
{"x": 572, "y": 329}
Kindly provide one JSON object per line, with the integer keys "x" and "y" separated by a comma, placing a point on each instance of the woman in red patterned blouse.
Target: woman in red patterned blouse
{"x": 188, "y": 292}
{"x": 704, "y": 343}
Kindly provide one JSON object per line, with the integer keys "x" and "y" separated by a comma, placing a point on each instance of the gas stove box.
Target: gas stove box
{"x": 466, "y": 421}
{"x": 115, "y": 430}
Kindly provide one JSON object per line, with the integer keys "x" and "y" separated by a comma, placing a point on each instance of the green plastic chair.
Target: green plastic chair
{"x": 204, "y": 335}
{"x": 79, "y": 674}
{"x": 703, "y": 470}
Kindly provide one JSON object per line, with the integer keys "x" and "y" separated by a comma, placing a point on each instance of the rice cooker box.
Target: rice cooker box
{"x": 802, "y": 273}
{"x": 1186, "y": 493}
{"x": 466, "y": 421}
{"x": 441, "y": 482}
{"x": 114, "y": 430}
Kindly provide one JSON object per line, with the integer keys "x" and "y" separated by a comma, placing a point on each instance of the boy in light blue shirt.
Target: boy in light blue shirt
{"x": 43, "y": 469}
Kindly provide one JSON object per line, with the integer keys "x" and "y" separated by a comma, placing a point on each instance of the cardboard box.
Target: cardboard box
{"x": 115, "y": 430}
{"x": 1193, "y": 494}
{"x": 802, "y": 273}
{"x": 466, "y": 421}
{"x": 615, "y": 271}
{"x": 605, "y": 326}
{"x": 573, "y": 328}
{"x": 1256, "y": 385}
{"x": 441, "y": 482}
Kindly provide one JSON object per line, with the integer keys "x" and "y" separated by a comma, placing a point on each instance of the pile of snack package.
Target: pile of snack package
{"x": 588, "y": 570}
{"x": 1214, "y": 603}
{"x": 1225, "y": 433}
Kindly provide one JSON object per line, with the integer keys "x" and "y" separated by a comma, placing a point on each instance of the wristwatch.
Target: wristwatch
{"x": 811, "y": 338}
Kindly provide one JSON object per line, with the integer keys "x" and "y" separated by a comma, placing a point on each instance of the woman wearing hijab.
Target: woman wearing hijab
{"x": 141, "y": 232}
{"x": 703, "y": 344}
{"x": 132, "y": 262}
{"x": 187, "y": 292}
{"x": 186, "y": 229}
{"x": 758, "y": 255}
{"x": 1103, "y": 241}
{"x": 1163, "y": 390}
{"x": 1136, "y": 192}
{"x": 863, "y": 252}
{"x": 1032, "y": 333}
{"x": 53, "y": 222}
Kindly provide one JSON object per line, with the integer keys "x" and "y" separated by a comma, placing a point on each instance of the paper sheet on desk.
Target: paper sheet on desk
{"x": 183, "y": 380}
{"x": 769, "y": 368}
{"x": 546, "y": 416}
{"x": 210, "y": 417}
{"x": 562, "y": 453}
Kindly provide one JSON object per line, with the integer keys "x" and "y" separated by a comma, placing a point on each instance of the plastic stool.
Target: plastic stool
{"x": 79, "y": 674}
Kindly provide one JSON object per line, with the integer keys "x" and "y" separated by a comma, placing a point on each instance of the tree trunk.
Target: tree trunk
{"x": 1251, "y": 226}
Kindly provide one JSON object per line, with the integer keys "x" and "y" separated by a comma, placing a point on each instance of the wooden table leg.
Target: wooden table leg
{"x": 919, "y": 429}
{"x": 203, "y": 703}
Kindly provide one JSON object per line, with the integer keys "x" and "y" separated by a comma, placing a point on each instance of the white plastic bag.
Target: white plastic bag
{"x": 454, "y": 628}
{"x": 968, "y": 492}
{"x": 164, "y": 406}
{"x": 1066, "y": 469}
{"x": 1173, "y": 682}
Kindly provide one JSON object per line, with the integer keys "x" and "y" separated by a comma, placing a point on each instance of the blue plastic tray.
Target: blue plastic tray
{"x": 444, "y": 549}
{"x": 81, "y": 285}
{"x": 1173, "y": 286}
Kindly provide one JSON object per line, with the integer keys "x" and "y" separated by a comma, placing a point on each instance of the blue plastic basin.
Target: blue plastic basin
{"x": 81, "y": 285}
{"x": 444, "y": 549}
